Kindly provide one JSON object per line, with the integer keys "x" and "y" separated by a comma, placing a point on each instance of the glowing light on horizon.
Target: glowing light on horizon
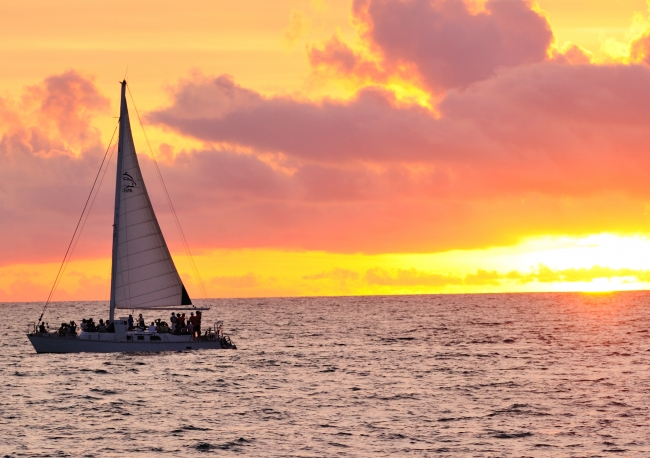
{"x": 596, "y": 263}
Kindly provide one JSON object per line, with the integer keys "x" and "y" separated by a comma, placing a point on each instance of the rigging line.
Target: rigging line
{"x": 84, "y": 217}
{"x": 92, "y": 203}
{"x": 186, "y": 246}
{"x": 85, "y": 220}
{"x": 171, "y": 205}
{"x": 58, "y": 275}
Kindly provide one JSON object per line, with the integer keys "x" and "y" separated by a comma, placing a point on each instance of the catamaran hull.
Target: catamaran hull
{"x": 56, "y": 344}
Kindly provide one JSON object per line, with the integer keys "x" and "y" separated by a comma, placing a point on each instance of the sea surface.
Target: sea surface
{"x": 513, "y": 375}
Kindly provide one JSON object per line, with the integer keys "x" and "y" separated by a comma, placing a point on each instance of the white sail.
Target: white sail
{"x": 144, "y": 274}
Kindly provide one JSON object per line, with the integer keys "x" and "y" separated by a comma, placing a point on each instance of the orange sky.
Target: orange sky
{"x": 335, "y": 147}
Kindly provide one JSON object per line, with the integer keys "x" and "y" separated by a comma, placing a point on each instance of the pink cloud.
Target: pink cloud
{"x": 68, "y": 101}
{"x": 520, "y": 145}
{"x": 535, "y": 128}
{"x": 335, "y": 54}
{"x": 336, "y": 58}
{"x": 543, "y": 147}
{"x": 325, "y": 133}
{"x": 450, "y": 45}
{"x": 43, "y": 181}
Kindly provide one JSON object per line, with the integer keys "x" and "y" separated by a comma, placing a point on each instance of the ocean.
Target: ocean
{"x": 508, "y": 375}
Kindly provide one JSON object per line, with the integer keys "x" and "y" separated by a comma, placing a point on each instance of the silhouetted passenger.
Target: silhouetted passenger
{"x": 110, "y": 326}
{"x": 130, "y": 323}
{"x": 152, "y": 328}
{"x": 194, "y": 320}
{"x": 141, "y": 324}
{"x": 197, "y": 325}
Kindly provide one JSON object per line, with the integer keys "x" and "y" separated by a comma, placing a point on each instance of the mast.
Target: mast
{"x": 116, "y": 217}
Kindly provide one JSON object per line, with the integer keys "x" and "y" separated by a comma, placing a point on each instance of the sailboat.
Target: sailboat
{"x": 143, "y": 275}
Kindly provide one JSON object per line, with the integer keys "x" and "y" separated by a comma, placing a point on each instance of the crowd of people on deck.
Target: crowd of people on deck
{"x": 180, "y": 325}
{"x": 89, "y": 325}
{"x": 66, "y": 329}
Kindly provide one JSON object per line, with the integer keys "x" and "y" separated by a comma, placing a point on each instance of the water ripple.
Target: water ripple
{"x": 543, "y": 375}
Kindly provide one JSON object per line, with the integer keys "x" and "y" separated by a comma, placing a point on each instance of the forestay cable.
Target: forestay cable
{"x": 80, "y": 224}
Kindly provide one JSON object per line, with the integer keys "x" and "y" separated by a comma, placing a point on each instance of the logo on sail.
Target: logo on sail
{"x": 128, "y": 183}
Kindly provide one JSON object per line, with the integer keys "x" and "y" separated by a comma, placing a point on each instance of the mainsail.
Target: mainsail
{"x": 143, "y": 273}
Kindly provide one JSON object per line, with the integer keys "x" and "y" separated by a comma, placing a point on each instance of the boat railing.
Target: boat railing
{"x": 32, "y": 328}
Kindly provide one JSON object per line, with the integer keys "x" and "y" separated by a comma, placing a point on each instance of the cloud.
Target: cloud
{"x": 521, "y": 142}
{"x": 409, "y": 277}
{"x": 335, "y": 54}
{"x": 451, "y": 45}
{"x": 337, "y": 273}
{"x": 49, "y": 155}
{"x": 440, "y": 44}
{"x": 24, "y": 290}
{"x": 249, "y": 280}
{"x": 542, "y": 148}
{"x": 533, "y": 129}
{"x": 544, "y": 274}
{"x": 68, "y": 101}
{"x": 336, "y": 59}
{"x": 296, "y": 29}
{"x": 416, "y": 278}
{"x": 483, "y": 277}
{"x": 28, "y": 286}
{"x": 329, "y": 132}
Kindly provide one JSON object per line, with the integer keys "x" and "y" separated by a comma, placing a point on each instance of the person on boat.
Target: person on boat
{"x": 90, "y": 325}
{"x": 110, "y": 326}
{"x": 141, "y": 324}
{"x": 41, "y": 328}
{"x": 197, "y": 325}
{"x": 173, "y": 321}
{"x": 102, "y": 326}
{"x": 130, "y": 323}
{"x": 163, "y": 328}
{"x": 179, "y": 324}
{"x": 63, "y": 329}
{"x": 152, "y": 327}
{"x": 84, "y": 325}
{"x": 190, "y": 328}
{"x": 194, "y": 320}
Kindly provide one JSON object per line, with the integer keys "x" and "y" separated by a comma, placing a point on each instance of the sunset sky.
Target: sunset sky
{"x": 335, "y": 147}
